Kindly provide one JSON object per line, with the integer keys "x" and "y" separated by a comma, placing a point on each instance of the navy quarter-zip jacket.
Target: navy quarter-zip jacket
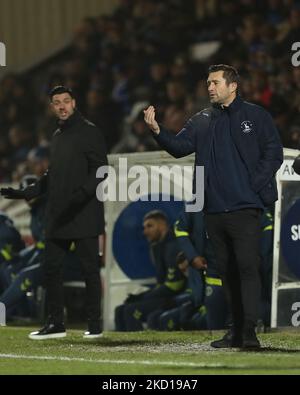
{"x": 255, "y": 139}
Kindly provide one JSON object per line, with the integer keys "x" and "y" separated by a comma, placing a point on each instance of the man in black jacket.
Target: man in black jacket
{"x": 73, "y": 213}
{"x": 239, "y": 147}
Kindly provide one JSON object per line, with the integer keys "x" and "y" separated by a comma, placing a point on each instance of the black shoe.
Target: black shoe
{"x": 94, "y": 330}
{"x": 91, "y": 335}
{"x": 49, "y": 331}
{"x": 230, "y": 340}
{"x": 249, "y": 338}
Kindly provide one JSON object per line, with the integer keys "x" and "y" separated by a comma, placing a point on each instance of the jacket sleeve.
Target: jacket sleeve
{"x": 38, "y": 188}
{"x": 271, "y": 156}
{"x": 96, "y": 157}
{"x": 182, "y": 229}
{"x": 182, "y": 144}
{"x": 175, "y": 279}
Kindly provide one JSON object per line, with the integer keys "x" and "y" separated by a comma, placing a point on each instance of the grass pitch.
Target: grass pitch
{"x": 145, "y": 353}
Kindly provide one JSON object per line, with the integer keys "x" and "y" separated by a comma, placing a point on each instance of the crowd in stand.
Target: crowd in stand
{"x": 145, "y": 53}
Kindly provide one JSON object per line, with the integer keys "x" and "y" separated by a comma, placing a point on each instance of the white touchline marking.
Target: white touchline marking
{"x": 120, "y": 361}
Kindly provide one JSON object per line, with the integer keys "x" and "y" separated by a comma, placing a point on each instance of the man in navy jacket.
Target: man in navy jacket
{"x": 240, "y": 149}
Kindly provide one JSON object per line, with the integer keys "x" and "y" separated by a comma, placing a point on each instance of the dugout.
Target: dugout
{"x": 286, "y": 259}
{"x": 121, "y": 279}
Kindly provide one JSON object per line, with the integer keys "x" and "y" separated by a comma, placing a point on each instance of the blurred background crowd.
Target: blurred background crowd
{"x": 155, "y": 52}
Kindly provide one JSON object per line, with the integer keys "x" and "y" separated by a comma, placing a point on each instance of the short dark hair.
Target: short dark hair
{"x": 156, "y": 214}
{"x": 59, "y": 89}
{"x": 230, "y": 73}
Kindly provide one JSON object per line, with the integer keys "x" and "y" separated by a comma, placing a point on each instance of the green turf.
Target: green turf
{"x": 144, "y": 353}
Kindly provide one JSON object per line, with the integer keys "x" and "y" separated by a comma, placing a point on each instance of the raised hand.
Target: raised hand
{"x": 149, "y": 117}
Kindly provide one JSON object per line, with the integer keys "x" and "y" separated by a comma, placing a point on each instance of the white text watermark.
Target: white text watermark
{"x": 2, "y": 314}
{"x": 295, "y": 320}
{"x": 296, "y": 56}
{"x": 149, "y": 182}
{"x": 2, "y": 54}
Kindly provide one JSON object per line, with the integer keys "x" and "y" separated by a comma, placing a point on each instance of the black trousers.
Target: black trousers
{"x": 87, "y": 251}
{"x": 235, "y": 237}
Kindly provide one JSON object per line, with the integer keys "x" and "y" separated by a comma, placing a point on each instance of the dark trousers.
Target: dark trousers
{"x": 26, "y": 280}
{"x": 137, "y": 313}
{"x": 87, "y": 252}
{"x": 216, "y": 307}
{"x": 236, "y": 238}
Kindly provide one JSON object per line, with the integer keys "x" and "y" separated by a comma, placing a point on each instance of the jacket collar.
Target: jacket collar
{"x": 72, "y": 120}
{"x": 233, "y": 107}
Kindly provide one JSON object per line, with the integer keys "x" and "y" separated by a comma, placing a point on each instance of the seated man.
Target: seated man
{"x": 206, "y": 308}
{"x": 25, "y": 274}
{"x": 187, "y": 302}
{"x": 11, "y": 242}
{"x": 170, "y": 281}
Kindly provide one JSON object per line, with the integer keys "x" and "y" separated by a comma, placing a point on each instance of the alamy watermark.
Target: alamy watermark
{"x": 295, "y": 320}
{"x": 2, "y": 314}
{"x": 2, "y": 54}
{"x": 296, "y": 56}
{"x": 150, "y": 182}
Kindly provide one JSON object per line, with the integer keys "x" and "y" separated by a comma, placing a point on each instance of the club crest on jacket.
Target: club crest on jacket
{"x": 246, "y": 126}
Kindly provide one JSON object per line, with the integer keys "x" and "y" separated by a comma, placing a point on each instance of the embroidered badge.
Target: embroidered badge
{"x": 246, "y": 126}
